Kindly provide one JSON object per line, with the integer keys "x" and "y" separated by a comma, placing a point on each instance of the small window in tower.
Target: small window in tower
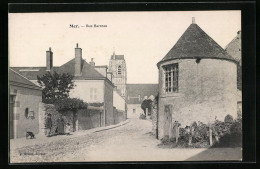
{"x": 119, "y": 71}
{"x": 171, "y": 76}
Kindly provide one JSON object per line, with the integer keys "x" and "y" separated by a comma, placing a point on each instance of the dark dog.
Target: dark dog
{"x": 29, "y": 133}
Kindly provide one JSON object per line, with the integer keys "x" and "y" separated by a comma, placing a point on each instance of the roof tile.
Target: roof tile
{"x": 196, "y": 43}
{"x": 134, "y": 90}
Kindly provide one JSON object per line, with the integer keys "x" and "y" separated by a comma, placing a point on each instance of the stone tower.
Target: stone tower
{"x": 197, "y": 82}
{"x": 117, "y": 66}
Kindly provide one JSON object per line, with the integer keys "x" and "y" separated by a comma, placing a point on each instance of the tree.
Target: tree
{"x": 70, "y": 104}
{"x": 55, "y": 86}
{"x": 147, "y": 103}
{"x": 228, "y": 119}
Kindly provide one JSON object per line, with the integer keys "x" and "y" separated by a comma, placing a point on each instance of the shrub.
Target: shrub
{"x": 96, "y": 104}
{"x": 232, "y": 137}
{"x": 229, "y": 140}
{"x": 71, "y": 104}
{"x": 229, "y": 119}
{"x": 225, "y": 134}
{"x": 165, "y": 140}
{"x": 182, "y": 132}
{"x": 200, "y": 133}
{"x": 236, "y": 127}
{"x": 142, "y": 116}
{"x": 220, "y": 128}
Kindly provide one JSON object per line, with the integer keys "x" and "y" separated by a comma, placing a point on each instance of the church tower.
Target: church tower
{"x": 117, "y": 66}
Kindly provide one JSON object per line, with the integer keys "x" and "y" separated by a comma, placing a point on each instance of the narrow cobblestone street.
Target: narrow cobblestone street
{"x": 130, "y": 142}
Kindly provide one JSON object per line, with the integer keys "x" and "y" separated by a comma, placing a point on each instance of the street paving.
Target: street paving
{"x": 130, "y": 142}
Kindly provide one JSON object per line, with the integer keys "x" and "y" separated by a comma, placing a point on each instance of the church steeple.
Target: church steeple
{"x": 113, "y": 56}
{"x": 117, "y": 66}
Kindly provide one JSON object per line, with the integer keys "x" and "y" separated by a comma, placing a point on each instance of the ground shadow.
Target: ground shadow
{"x": 218, "y": 154}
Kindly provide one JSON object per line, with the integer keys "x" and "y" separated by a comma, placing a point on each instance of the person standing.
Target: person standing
{"x": 48, "y": 125}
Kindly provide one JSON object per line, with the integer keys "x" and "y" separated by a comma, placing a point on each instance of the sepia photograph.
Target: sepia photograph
{"x": 125, "y": 86}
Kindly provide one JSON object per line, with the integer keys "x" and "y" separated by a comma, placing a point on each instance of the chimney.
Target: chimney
{"x": 92, "y": 63}
{"x": 49, "y": 59}
{"x": 78, "y": 60}
{"x": 193, "y": 20}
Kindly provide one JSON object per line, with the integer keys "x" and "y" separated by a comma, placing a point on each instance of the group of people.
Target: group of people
{"x": 60, "y": 128}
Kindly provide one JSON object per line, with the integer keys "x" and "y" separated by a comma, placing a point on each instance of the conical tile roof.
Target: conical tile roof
{"x": 195, "y": 43}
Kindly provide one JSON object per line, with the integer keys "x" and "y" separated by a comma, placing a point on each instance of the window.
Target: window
{"x": 12, "y": 99}
{"x": 93, "y": 93}
{"x": 119, "y": 71}
{"x": 26, "y": 113}
{"x": 171, "y": 73}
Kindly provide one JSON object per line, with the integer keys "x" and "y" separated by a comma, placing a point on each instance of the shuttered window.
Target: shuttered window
{"x": 93, "y": 94}
{"x": 119, "y": 70}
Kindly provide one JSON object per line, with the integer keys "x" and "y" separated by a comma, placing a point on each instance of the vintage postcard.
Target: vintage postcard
{"x": 125, "y": 86}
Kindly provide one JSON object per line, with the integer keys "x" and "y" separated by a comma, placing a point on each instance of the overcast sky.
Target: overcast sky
{"x": 143, "y": 37}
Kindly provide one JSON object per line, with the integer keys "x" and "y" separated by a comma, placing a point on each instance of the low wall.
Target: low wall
{"x": 119, "y": 116}
{"x": 89, "y": 118}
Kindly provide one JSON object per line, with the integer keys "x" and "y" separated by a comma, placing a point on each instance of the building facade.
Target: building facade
{"x": 234, "y": 49}
{"x": 93, "y": 83}
{"x": 117, "y": 66}
{"x": 197, "y": 82}
{"x": 24, "y": 100}
{"x": 136, "y": 94}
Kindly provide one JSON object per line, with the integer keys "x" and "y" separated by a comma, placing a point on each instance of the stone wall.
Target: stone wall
{"x": 87, "y": 118}
{"x": 90, "y": 118}
{"x": 119, "y": 116}
{"x": 25, "y": 98}
{"x": 207, "y": 91}
{"x": 108, "y": 104}
{"x": 154, "y": 117}
{"x": 46, "y": 109}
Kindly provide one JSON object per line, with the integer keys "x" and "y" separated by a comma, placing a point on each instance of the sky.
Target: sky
{"x": 144, "y": 38}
